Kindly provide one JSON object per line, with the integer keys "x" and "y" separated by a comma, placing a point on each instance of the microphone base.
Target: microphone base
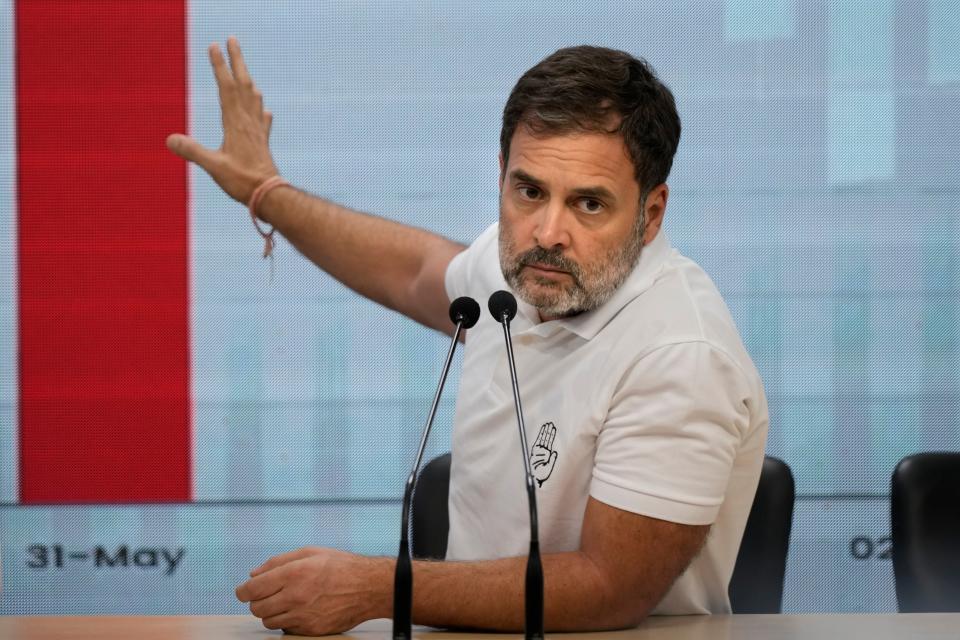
{"x": 403, "y": 594}
{"x": 533, "y": 595}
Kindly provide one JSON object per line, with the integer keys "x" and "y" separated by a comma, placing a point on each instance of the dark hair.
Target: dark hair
{"x": 598, "y": 90}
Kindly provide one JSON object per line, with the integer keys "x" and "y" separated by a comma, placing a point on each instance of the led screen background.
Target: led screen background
{"x": 815, "y": 182}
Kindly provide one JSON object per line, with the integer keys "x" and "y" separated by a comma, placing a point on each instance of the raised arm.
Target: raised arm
{"x": 395, "y": 265}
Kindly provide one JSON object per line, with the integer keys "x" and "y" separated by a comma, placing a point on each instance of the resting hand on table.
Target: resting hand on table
{"x": 316, "y": 591}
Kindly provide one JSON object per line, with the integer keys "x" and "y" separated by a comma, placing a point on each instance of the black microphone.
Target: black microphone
{"x": 503, "y": 307}
{"x": 464, "y": 313}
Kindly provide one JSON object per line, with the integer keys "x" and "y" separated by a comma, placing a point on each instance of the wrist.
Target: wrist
{"x": 254, "y": 204}
{"x": 266, "y": 209}
{"x": 380, "y": 578}
{"x": 260, "y": 191}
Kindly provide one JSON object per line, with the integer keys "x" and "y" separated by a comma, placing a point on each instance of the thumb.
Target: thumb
{"x": 189, "y": 149}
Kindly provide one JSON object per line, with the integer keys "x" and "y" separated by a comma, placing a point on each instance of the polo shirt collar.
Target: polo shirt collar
{"x": 587, "y": 325}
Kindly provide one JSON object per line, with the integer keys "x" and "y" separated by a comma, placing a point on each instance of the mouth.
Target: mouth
{"x": 544, "y": 268}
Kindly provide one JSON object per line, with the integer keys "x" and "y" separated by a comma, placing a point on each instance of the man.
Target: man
{"x": 647, "y": 418}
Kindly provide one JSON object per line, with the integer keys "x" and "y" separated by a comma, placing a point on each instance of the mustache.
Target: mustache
{"x": 548, "y": 257}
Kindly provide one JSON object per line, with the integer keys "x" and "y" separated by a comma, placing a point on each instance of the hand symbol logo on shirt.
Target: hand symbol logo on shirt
{"x": 542, "y": 456}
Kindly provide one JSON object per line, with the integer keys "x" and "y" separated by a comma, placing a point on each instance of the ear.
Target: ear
{"x": 654, "y": 208}
{"x": 500, "y": 156}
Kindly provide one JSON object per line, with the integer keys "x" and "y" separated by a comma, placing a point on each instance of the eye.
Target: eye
{"x": 528, "y": 192}
{"x": 590, "y": 205}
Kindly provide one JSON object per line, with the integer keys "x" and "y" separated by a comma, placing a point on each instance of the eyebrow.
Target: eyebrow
{"x": 519, "y": 175}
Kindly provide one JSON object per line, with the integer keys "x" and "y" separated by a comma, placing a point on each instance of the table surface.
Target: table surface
{"x": 768, "y": 627}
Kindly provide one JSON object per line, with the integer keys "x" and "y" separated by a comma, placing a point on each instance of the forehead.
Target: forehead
{"x": 574, "y": 159}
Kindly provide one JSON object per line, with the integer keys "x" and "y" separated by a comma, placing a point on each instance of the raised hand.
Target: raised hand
{"x": 542, "y": 456}
{"x": 243, "y": 160}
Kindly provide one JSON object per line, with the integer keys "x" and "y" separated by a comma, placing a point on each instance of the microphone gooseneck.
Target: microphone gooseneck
{"x": 503, "y": 307}
{"x": 464, "y": 313}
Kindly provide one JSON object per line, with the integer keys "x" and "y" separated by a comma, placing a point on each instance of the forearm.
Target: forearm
{"x": 490, "y": 595}
{"x": 385, "y": 261}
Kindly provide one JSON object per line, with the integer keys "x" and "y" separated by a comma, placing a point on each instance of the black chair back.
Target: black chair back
{"x": 757, "y": 583}
{"x": 430, "y": 519}
{"x": 925, "y": 531}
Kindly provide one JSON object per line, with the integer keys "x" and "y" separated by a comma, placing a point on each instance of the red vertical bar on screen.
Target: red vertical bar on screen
{"x": 102, "y": 250}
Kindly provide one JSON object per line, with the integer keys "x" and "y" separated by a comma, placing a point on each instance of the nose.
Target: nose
{"x": 551, "y": 231}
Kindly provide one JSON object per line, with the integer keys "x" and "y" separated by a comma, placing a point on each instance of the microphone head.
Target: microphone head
{"x": 464, "y": 310}
{"x": 503, "y": 306}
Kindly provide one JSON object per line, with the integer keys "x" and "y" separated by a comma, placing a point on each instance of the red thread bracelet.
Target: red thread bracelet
{"x": 270, "y": 183}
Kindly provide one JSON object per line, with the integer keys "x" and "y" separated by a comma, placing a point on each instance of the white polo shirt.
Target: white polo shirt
{"x": 649, "y": 403}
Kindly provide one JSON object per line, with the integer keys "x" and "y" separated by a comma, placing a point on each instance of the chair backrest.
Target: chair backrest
{"x": 757, "y": 582}
{"x": 925, "y": 532}
{"x": 430, "y": 520}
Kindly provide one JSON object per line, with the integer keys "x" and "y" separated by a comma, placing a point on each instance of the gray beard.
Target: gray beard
{"x": 592, "y": 285}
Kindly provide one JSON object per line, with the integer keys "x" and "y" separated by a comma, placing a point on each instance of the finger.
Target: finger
{"x": 257, "y": 101}
{"x": 189, "y": 149}
{"x": 268, "y": 120}
{"x": 263, "y": 586}
{"x": 220, "y": 71}
{"x": 274, "y": 605}
{"x": 540, "y": 437}
{"x": 240, "y": 72}
{"x": 551, "y": 438}
{"x": 280, "y": 560}
{"x": 286, "y": 621}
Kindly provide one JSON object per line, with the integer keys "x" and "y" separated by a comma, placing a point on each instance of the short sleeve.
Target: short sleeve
{"x": 675, "y": 424}
{"x": 461, "y": 275}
